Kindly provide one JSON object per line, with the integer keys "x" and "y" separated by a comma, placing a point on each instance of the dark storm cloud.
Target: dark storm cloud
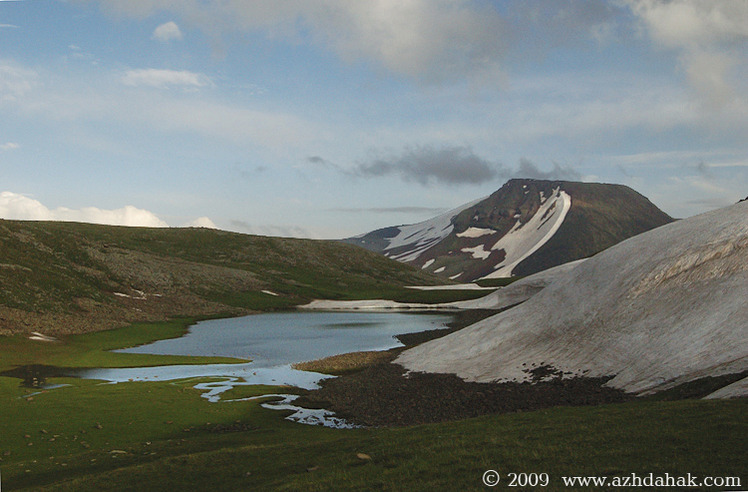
{"x": 426, "y": 165}
{"x": 455, "y": 165}
{"x": 527, "y": 169}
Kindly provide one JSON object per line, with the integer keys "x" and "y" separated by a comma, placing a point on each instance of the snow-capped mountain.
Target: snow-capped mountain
{"x": 663, "y": 308}
{"x": 524, "y": 227}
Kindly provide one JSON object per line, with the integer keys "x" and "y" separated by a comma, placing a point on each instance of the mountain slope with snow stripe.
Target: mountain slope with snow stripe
{"x": 417, "y": 238}
{"x": 524, "y": 239}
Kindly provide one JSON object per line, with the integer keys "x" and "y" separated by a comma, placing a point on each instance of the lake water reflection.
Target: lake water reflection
{"x": 274, "y": 341}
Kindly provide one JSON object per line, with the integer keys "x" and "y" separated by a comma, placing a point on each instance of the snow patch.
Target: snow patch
{"x": 428, "y": 264}
{"x": 41, "y": 337}
{"x": 450, "y": 287}
{"x": 735, "y": 390}
{"x": 140, "y": 295}
{"x": 478, "y": 252}
{"x": 371, "y": 305}
{"x": 420, "y": 237}
{"x": 440, "y": 269}
{"x": 473, "y": 232}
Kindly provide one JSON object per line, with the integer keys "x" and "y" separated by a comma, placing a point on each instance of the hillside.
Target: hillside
{"x": 61, "y": 277}
{"x": 657, "y": 310}
{"x": 525, "y": 227}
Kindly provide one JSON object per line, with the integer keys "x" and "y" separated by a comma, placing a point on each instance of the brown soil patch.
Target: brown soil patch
{"x": 338, "y": 365}
{"x": 384, "y": 395}
{"x": 380, "y": 393}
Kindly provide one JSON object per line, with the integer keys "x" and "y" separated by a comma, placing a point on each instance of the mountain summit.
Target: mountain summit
{"x": 525, "y": 227}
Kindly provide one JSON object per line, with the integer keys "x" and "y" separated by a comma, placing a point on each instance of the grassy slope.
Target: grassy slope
{"x": 165, "y": 437}
{"x": 62, "y": 277}
{"x": 94, "y": 349}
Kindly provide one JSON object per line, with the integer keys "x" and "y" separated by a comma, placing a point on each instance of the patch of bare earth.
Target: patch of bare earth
{"x": 344, "y": 363}
{"x": 374, "y": 391}
{"x": 384, "y": 395}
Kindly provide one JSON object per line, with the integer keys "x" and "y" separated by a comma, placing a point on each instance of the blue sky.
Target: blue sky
{"x": 329, "y": 118}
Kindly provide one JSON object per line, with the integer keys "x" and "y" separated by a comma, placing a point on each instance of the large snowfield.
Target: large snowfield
{"x": 662, "y": 308}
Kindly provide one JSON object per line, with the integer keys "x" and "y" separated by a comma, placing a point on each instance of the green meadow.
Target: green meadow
{"x": 165, "y": 436}
{"x": 161, "y": 436}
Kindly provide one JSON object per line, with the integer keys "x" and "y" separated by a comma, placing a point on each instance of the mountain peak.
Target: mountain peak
{"x": 524, "y": 227}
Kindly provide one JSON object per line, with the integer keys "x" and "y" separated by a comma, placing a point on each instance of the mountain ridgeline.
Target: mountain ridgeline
{"x": 525, "y": 227}
{"x": 63, "y": 277}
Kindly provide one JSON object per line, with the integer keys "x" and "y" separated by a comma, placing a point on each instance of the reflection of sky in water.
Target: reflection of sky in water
{"x": 285, "y": 338}
{"x": 273, "y": 341}
{"x": 272, "y": 376}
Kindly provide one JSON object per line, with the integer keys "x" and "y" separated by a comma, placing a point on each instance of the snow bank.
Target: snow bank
{"x": 659, "y": 309}
{"x": 449, "y": 287}
{"x": 510, "y": 295}
{"x": 370, "y": 305}
{"x": 734, "y": 390}
{"x": 518, "y": 291}
{"x": 41, "y": 337}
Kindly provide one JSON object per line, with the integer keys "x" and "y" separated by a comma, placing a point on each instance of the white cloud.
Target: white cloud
{"x": 588, "y": 106}
{"x": 9, "y": 146}
{"x": 15, "y": 81}
{"x": 275, "y": 130}
{"x": 269, "y": 230}
{"x": 161, "y": 78}
{"x": 710, "y": 35}
{"x": 426, "y": 39}
{"x": 681, "y": 23}
{"x": 21, "y": 207}
{"x": 54, "y": 99}
{"x": 202, "y": 222}
{"x": 421, "y": 38}
{"x": 708, "y": 73}
{"x": 167, "y": 32}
